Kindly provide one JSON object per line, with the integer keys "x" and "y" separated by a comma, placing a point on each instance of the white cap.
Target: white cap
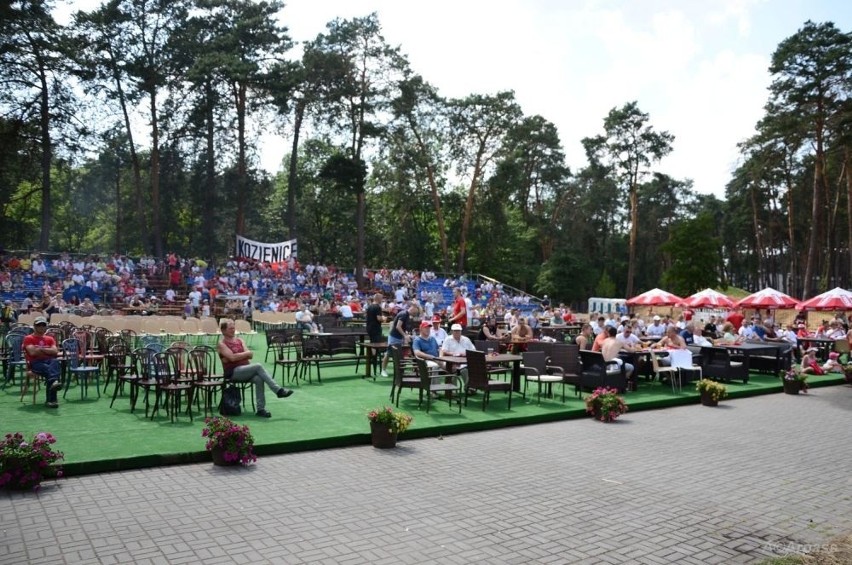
{"x": 455, "y": 327}
{"x": 657, "y": 318}
{"x": 625, "y": 319}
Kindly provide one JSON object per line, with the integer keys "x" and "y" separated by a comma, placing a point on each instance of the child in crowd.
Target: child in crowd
{"x": 810, "y": 364}
{"x": 833, "y": 365}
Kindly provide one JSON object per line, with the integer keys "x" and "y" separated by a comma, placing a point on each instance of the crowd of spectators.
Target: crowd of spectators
{"x": 192, "y": 286}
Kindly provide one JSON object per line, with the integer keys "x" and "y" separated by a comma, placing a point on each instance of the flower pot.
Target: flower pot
{"x": 792, "y": 386}
{"x": 382, "y": 436}
{"x": 219, "y": 457}
{"x": 707, "y": 399}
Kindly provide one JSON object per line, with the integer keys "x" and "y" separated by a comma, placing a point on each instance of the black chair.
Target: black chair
{"x": 207, "y": 381}
{"x": 599, "y": 373}
{"x": 567, "y": 358}
{"x": 286, "y": 350}
{"x": 434, "y": 382}
{"x": 478, "y": 379}
{"x": 171, "y": 385}
{"x": 404, "y": 374}
{"x": 13, "y": 357}
{"x": 120, "y": 365}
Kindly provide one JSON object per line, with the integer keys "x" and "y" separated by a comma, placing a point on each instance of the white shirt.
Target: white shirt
{"x": 698, "y": 339}
{"x": 440, "y": 334}
{"x": 655, "y": 330}
{"x": 453, "y": 347}
{"x": 628, "y": 340}
{"x": 345, "y": 311}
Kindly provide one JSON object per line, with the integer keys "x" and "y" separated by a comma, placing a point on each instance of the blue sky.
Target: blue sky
{"x": 698, "y": 68}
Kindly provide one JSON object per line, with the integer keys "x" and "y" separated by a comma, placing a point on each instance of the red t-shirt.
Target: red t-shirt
{"x": 736, "y": 319}
{"x": 458, "y": 306}
{"x": 38, "y": 341}
{"x": 236, "y": 347}
{"x": 814, "y": 364}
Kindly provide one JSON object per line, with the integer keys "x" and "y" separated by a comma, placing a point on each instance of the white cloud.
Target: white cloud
{"x": 697, "y": 68}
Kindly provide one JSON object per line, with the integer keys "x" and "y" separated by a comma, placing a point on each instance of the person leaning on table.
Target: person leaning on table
{"x": 237, "y": 366}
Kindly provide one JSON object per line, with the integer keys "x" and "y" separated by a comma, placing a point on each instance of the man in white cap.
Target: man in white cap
{"x": 41, "y": 351}
{"x": 456, "y": 344}
{"x": 656, "y": 329}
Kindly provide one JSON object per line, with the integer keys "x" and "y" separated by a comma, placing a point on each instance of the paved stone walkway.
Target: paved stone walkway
{"x": 753, "y": 478}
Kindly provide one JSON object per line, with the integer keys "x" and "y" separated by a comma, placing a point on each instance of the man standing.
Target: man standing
{"x": 374, "y": 319}
{"x": 459, "y": 315}
{"x": 736, "y": 318}
{"x": 399, "y": 332}
{"x": 40, "y": 351}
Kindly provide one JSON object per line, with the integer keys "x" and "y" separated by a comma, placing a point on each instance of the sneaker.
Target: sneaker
{"x": 384, "y": 373}
{"x": 56, "y": 386}
{"x": 284, "y": 392}
{"x": 52, "y": 404}
{"x": 264, "y": 414}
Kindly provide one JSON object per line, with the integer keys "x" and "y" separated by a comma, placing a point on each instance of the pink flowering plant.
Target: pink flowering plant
{"x": 794, "y": 374}
{"x": 25, "y": 464}
{"x": 395, "y": 421}
{"x": 235, "y": 441}
{"x": 605, "y": 404}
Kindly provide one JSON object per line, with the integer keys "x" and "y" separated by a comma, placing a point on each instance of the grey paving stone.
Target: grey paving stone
{"x": 682, "y": 485}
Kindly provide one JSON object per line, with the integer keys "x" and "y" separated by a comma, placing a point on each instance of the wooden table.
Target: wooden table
{"x": 824, "y": 345}
{"x": 452, "y": 360}
{"x": 372, "y": 352}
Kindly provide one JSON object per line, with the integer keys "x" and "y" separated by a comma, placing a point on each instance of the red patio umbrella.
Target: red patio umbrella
{"x": 708, "y": 298}
{"x": 768, "y": 298}
{"x": 835, "y": 299}
{"x": 655, "y": 297}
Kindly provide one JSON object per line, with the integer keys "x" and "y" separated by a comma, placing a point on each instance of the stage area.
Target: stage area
{"x": 97, "y": 438}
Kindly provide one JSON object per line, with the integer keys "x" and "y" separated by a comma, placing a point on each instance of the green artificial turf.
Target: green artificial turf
{"x": 95, "y": 437}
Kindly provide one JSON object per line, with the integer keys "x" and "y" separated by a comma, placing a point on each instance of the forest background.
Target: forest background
{"x": 134, "y": 129}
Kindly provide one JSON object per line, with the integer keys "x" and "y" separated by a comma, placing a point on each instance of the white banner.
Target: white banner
{"x": 266, "y": 252}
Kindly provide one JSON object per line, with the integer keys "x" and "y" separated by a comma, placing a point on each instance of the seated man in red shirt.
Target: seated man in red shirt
{"x": 40, "y": 351}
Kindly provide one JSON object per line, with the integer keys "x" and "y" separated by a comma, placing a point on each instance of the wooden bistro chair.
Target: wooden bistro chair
{"x": 72, "y": 350}
{"x": 13, "y": 357}
{"x": 121, "y": 365}
{"x": 171, "y": 385}
{"x": 33, "y": 380}
{"x": 146, "y": 371}
{"x": 285, "y": 349}
{"x": 207, "y": 382}
{"x": 478, "y": 379}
